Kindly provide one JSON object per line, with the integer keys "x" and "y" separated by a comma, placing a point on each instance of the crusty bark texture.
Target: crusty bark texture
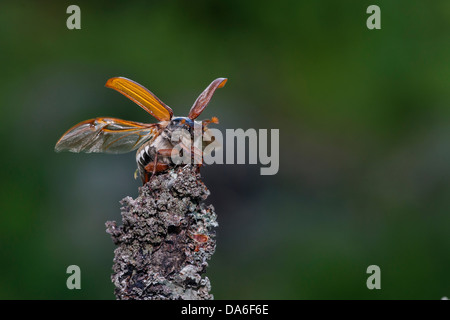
{"x": 165, "y": 240}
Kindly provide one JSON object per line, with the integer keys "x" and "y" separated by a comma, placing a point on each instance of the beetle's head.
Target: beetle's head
{"x": 182, "y": 123}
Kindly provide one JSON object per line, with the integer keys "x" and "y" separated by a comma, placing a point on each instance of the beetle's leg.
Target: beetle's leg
{"x": 164, "y": 152}
{"x": 156, "y": 166}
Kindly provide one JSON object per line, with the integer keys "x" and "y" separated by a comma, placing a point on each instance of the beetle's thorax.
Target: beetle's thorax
{"x": 183, "y": 123}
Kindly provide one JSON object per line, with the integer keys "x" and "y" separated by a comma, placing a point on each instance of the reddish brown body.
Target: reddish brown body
{"x": 152, "y": 141}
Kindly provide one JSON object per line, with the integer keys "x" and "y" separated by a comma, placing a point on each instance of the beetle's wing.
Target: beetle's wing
{"x": 203, "y": 99}
{"x": 141, "y": 96}
{"x": 108, "y": 135}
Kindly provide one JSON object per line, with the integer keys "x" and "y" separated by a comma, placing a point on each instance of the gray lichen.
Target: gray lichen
{"x": 165, "y": 240}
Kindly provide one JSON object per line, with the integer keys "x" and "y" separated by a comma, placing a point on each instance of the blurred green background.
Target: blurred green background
{"x": 364, "y": 123}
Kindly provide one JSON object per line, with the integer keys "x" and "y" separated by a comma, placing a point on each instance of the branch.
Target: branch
{"x": 166, "y": 239}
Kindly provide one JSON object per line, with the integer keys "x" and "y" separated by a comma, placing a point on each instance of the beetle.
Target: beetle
{"x": 154, "y": 141}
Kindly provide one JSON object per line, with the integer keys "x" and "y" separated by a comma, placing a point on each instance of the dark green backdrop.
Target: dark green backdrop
{"x": 364, "y": 125}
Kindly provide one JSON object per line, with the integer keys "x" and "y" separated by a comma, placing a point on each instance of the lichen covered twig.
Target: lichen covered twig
{"x": 165, "y": 240}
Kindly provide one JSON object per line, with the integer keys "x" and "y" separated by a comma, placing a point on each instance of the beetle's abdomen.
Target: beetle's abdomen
{"x": 146, "y": 154}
